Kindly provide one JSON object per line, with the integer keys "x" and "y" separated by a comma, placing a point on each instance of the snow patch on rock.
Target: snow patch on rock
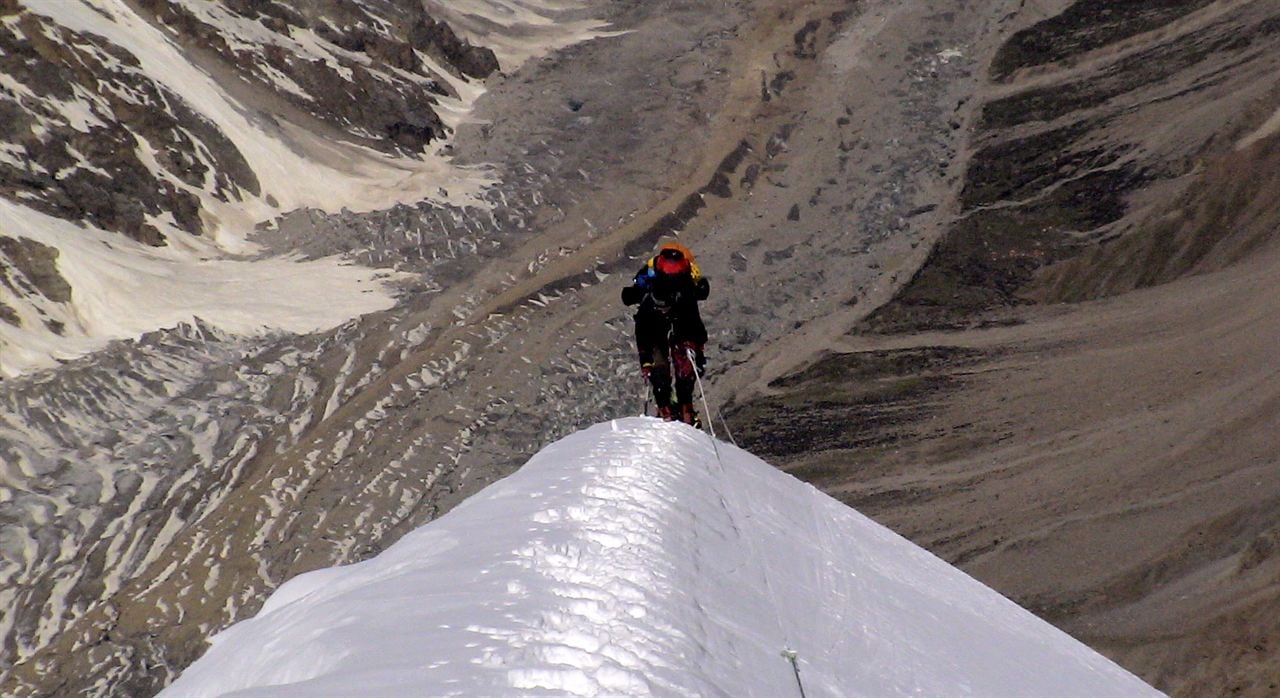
{"x": 295, "y": 167}
{"x": 1269, "y": 128}
{"x": 121, "y": 288}
{"x": 521, "y": 30}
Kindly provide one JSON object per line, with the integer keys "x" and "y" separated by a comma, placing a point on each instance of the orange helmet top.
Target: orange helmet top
{"x": 685, "y": 251}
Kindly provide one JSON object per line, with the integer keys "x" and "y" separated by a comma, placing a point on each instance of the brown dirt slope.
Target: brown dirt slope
{"x": 1097, "y": 157}
{"x": 1112, "y": 463}
{"x": 1113, "y": 467}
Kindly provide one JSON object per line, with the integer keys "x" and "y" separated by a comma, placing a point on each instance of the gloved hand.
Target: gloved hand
{"x": 700, "y": 363}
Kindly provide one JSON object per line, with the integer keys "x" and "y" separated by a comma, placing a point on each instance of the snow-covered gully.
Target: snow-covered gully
{"x": 631, "y": 559}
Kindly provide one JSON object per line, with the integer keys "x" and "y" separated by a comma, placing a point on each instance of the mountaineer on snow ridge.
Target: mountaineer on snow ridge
{"x": 669, "y": 330}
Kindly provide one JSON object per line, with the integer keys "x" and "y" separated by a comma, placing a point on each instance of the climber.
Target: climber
{"x": 669, "y": 328}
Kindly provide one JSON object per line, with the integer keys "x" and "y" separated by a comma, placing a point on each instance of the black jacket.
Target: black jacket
{"x": 668, "y": 294}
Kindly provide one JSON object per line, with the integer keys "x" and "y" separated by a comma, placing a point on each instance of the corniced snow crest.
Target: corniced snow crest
{"x": 631, "y": 559}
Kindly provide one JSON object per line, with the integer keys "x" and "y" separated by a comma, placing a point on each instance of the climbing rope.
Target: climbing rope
{"x": 697, "y": 376}
{"x": 725, "y": 424}
{"x": 787, "y": 653}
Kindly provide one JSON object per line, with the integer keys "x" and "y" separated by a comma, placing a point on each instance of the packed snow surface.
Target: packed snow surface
{"x": 631, "y": 559}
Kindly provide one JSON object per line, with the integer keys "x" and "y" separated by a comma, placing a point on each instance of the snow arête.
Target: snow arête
{"x": 670, "y": 335}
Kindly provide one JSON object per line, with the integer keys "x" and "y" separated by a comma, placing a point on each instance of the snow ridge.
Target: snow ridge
{"x": 631, "y": 559}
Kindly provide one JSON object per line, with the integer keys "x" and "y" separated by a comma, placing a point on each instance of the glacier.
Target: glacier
{"x": 639, "y": 557}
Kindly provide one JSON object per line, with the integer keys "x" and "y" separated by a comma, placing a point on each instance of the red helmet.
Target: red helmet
{"x": 672, "y": 260}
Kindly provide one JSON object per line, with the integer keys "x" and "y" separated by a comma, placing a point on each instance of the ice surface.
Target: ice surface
{"x": 628, "y": 559}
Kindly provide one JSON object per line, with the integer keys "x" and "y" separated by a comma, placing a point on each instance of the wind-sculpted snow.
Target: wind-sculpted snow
{"x": 637, "y": 558}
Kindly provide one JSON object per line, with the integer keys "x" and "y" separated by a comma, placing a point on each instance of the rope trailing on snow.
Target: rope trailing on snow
{"x": 787, "y": 653}
{"x": 711, "y": 423}
{"x": 706, "y": 408}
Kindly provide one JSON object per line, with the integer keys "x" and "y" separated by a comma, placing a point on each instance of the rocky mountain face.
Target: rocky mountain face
{"x": 94, "y": 134}
{"x": 889, "y": 198}
{"x": 373, "y": 69}
{"x": 182, "y": 124}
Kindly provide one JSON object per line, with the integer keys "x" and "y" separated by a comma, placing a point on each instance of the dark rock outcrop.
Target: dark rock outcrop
{"x": 37, "y": 265}
{"x": 82, "y": 162}
{"x": 89, "y": 136}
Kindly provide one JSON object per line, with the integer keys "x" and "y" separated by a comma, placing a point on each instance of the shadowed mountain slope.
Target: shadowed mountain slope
{"x": 1110, "y": 463}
